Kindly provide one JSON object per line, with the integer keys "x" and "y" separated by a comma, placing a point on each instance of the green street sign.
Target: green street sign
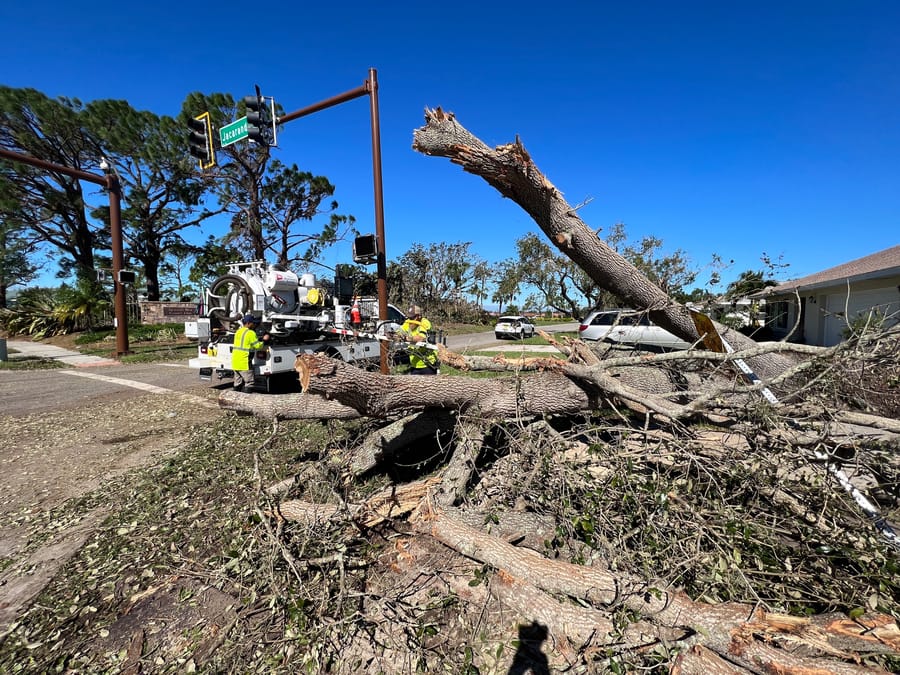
{"x": 234, "y": 132}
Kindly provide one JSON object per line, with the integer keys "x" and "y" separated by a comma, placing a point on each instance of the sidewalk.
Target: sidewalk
{"x": 25, "y": 348}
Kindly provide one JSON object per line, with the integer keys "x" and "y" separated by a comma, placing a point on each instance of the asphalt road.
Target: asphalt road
{"x": 33, "y": 391}
{"x": 470, "y": 341}
{"x": 24, "y": 392}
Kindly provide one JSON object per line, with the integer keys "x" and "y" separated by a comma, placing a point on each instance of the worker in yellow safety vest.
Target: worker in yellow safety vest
{"x": 422, "y": 360}
{"x": 245, "y": 343}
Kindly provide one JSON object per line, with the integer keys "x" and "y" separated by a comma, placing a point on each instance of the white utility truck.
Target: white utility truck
{"x": 299, "y": 315}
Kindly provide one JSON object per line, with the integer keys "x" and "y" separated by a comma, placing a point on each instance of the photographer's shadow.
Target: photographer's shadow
{"x": 529, "y": 658}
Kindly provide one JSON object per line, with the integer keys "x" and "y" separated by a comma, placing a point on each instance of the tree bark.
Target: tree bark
{"x": 387, "y": 441}
{"x": 287, "y": 407}
{"x": 338, "y": 390}
{"x": 377, "y": 395}
{"x": 740, "y": 633}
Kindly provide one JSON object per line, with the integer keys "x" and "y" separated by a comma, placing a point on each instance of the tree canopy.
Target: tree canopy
{"x": 280, "y": 213}
{"x": 48, "y": 205}
{"x": 273, "y": 207}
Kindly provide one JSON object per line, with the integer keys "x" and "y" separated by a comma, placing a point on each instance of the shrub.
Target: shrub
{"x": 44, "y": 312}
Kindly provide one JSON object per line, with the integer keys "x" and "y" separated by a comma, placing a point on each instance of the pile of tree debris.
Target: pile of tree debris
{"x": 725, "y": 509}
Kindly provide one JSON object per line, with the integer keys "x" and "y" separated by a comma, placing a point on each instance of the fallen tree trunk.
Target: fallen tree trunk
{"x": 377, "y": 395}
{"x": 640, "y": 532}
{"x": 334, "y": 390}
{"x": 739, "y": 633}
{"x": 288, "y": 407}
{"x": 576, "y": 603}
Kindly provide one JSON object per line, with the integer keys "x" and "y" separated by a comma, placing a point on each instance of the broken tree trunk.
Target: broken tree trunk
{"x": 377, "y": 395}
{"x": 511, "y": 171}
{"x": 557, "y": 388}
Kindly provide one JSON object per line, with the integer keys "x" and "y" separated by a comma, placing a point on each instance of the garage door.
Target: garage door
{"x": 860, "y": 303}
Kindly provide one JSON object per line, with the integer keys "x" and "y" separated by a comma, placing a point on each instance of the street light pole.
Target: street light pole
{"x": 111, "y": 182}
{"x": 118, "y": 260}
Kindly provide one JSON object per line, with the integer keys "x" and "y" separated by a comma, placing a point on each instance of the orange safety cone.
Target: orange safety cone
{"x": 355, "y": 316}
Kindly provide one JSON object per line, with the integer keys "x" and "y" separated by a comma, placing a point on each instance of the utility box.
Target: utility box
{"x": 343, "y": 290}
{"x": 197, "y": 330}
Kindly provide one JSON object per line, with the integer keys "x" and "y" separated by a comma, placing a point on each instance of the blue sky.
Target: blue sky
{"x": 733, "y": 128}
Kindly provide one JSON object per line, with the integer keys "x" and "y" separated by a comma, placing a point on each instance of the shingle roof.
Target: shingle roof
{"x": 881, "y": 264}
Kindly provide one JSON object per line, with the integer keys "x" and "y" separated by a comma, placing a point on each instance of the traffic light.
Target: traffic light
{"x": 259, "y": 119}
{"x": 200, "y": 140}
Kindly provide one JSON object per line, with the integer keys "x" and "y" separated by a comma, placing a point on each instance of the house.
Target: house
{"x": 737, "y": 313}
{"x": 824, "y": 304}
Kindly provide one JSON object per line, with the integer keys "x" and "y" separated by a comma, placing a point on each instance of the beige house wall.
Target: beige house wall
{"x": 826, "y": 307}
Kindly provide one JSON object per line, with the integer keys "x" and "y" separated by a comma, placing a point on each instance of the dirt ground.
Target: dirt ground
{"x": 158, "y": 617}
{"x": 49, "y": 459}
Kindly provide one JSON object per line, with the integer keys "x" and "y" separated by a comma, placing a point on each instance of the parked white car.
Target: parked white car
{"x": 515, "y": 327}
{"x": 626, "y": 326}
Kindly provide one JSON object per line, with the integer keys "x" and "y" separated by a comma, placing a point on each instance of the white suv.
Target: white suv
{"x": 627, "y": 326}
{"x": 516, "y": 327}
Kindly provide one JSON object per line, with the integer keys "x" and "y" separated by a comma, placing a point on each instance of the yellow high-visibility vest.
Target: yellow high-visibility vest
{"x": 245, "y": 341}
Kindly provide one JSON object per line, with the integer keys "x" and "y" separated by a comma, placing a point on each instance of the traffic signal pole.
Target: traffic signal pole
{"x": 111, "y": 182}
{"x": 118, "y": 261}
{"x": 370, "y": 88}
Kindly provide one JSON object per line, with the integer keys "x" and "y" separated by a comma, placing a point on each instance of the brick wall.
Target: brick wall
{"x": 168, "y": 312}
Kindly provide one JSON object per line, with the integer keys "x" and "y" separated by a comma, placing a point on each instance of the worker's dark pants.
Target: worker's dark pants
{"x": 425, "y": 370}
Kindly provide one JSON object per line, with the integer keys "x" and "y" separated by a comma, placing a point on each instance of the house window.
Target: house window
{"x": 778, "y": 315}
